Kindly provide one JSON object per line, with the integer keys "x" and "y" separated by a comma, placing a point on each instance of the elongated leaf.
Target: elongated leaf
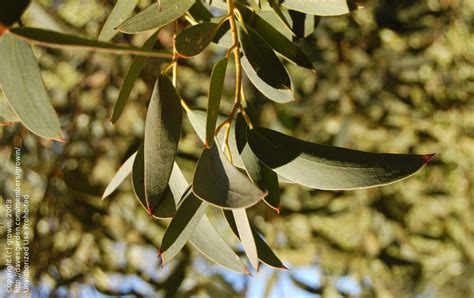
{"x": 275, "y": 39}
{"x": 246, "y": 235}
{"x": 156, "y": 16}
{"x": 132, "y": 75}
{"x": 219, "y": 183}
{"x": 121, "y": 11}
{"x": 263, "y": 60}
{"x": 120, "y": 176}
{"x": 303, "y": 24}
{"x": 265, "y": 253}
{"x": 322, "y": 8}
{"x": 195, "y": 39}
{"x": 215, "y": 94}
{"x": 187, "y": 217}
{"x": 7, "y": 115}
{"x": 260, "y": 174}
{"x": 162, "y": 130}
{"x": 199, "y": 12}
{"x": 279, "y": 13}
{"x": 24, "y": 89}
{"x": 167, "y": 206}
{"x": 328, "y": 167}
{"x": 11, "y": 11}
{"x": 54, "y": 39}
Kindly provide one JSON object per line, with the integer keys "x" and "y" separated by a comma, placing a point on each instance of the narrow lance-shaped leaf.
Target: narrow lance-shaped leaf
{"x": 322, "y": 8}
{"x": 260, "y": 174}
{"x": 120, "y": 176}
{"x": 215, "y": 94}
{"x": 122, "y": 10}
{"x": 156, "y": 16}
{"x": 24, "y": 89}
{"x": 263, "y": 60}
{"x": 265, "y": 253}
{"x": 276, "y": 8}
{"x": 54, "y": 39}
{"x": 132, "y": 75}
{"x": 193, "y": 40}
{"x": 246, "y": 235}
{"x": 162, "y": 130}
{"x": 219, "y": 183}
{"x": 167, "y": 206}
{"x": 328, "y": 167}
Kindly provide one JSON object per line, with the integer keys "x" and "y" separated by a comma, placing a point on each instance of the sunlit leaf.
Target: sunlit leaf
{"x": 193, "y": 40}
{"x": 24, "y": 89}
{"x": 7, "y": 115}
{"x": 11, "y": 11}
{"x": 54, "y": 39}
{"x": 120, "y": 176}
{"x": 156, "y": 16}
{"x": 260, "y": 174}
{"x": 162, "y": 131}
{"x": 130, "y": 78}
{"x": 328, "y": 167}
{"x": 322, "y": 8}
{"x": 122, "y": 10}
{"x": 246, "y": 236}
{"x": 219, "y": 183}
{"x": 215, "y": 94}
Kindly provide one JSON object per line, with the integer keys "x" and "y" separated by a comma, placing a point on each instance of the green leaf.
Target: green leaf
{"x": 7, "y": 115}
{"x": 199, "y": 12}
{"x": 275, "y": 39}
{"x": 219, "y": 183}
{"x": 24, "y": 89}
{"x": 120, "y": 176}
{"x": 264, "y": 63}
{"x": 156, "y": 16}
{"x": 322, "y": 8}
{"x": 276, "y": 8}
{"x": 167, "y": 206}
{"x": 121, "y": 11}
{"x": 260, "y": 174}
{"x": 265, "y": 253}
{"x": 54, "y": 39}
{"x": 132, "y": 75}
{"x": 162, "y": 130}
{"x": 327, "y": 167}
{"x": 303, "y": 24}
{"x": 193, "y": 40}
{"x": 215, "y": 94}
{"x": 11, "y": 11}
{"x": 246, "y": 235}
{"x": 187, "y": 217}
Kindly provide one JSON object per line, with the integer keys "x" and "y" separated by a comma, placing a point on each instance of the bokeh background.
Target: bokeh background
{"x": 397, "y": 76}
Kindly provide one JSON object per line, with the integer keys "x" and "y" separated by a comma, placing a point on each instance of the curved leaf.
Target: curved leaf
{"x": 24, "y": 89}
{"x": 328, "y": 167}
{"x": 156, "y": 16}
{"x": 219, "y": 183}
{"x": 54, "y": 39}
{"x": 130, "y": 78}
{"x": 215, "y": 94}
{"x": 265, "y": 64}
{"x": 120, "y": 176}
{"x": 265, "y": 253}
{"x": 260, "y": 174}
{"x": 322, "y": 8}
{"x": 193, "y": 40}
{"x": 162, "y": 130}
{"x": 246, "y": 236}
{"x": 122, "y": 9}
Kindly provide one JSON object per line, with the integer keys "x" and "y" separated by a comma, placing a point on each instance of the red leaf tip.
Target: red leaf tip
{"x": 427, "y": 158}
{"x": 150, "y": 211}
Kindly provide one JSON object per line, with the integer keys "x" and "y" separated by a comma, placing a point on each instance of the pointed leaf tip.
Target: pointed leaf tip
{"x": 428, "y": 157}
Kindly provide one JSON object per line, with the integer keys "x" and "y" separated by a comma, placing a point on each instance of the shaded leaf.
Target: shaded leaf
{"x": 130, "y": 78}
{"x": 321, "y": 8}
{"x": 162, "y": 131}
{"x": 24, "y": 89}
{"x": 328, "y": 167}
{"x": 260, "y": 174}
{"x": 120, "y": 176}
{"x": 219, "y": 183}
{"x": 303, "y": 24}
{"x": 54, "y": 39}
{"x": 199, "y": 12}
{"x": 215, "y": 94}
{"x": 193, "y": 40}
{"x": 265, "y": 253}
{"x": 11, "y": 11}
{"x": 122, "y": 10}
{"x": 246, "y": 236}
{"x": 156, "y": 16}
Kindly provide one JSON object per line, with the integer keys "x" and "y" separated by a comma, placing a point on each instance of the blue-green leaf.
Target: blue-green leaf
{"x": 215, "y": 94}
{"x": 322, "y": 8}
{"x": 193, "y": 40}
{"x": 122, "y": 10}
{"x": 120, "y": 176}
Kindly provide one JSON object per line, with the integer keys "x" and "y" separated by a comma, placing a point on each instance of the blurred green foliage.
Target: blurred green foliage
{"x": 397, "y": 76}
